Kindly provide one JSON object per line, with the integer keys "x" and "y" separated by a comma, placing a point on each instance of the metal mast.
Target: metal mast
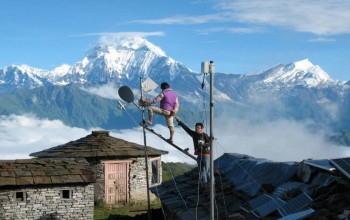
{"x": 146, "y": 156}
{"x": 208, "y": 67}
{"x": 212, "y": 181}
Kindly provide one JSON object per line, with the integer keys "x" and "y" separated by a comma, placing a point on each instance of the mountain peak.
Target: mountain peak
{"x": 301, "y": 72}
{"x": 126, "y": 58}
{"x": 129, "y": 44}
{"x": 311, "y": 70}
{"x": 303, "y": 64}
{"x": 138, "y": 43}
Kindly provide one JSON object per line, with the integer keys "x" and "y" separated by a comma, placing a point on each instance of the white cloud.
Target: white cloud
{"x": 321, "y": 17}
{"x": 184, "y": 20}
{"x": 26, "y": 134}
{"x": 279, "y": 140}
{"x": 322, "y": 39}
{"x": 238, "y": 30}
{"x": 110, "y": 38}
{"x": 105, "y": 91}
{"x": 23, "y": 135}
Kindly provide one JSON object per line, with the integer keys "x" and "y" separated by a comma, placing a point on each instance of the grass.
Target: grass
{"x": 102, "y": 212}
{"x": 175, "y": 169}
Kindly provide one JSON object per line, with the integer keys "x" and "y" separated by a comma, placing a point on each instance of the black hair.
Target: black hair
{"x": 199, "y": 124}
{"x": 164, "y": 85}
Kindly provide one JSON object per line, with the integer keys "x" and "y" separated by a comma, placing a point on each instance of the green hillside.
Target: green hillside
{"x": 171, "y": 169}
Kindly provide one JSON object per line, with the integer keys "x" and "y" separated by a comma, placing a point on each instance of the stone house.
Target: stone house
{"x": 119, "y": 166}
{"x": 46, "y": 189}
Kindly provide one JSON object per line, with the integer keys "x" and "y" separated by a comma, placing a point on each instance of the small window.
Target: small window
{"x": 156, "y": 171}
{"x": 67, "y": 194}
{"x": 20, "y": 196}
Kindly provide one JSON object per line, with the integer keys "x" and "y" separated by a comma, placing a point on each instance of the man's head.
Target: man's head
{"x": 164, "y": 85}
{"x": 199, "y": 127}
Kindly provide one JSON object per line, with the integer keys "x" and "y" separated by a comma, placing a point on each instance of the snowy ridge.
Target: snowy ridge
{"x": 23, "y": 76}
{"x": 60, "y": 71}
{"x": 31, "y": 71}
{"x": 298, "y": 73}
{"x": 131, "y": 58}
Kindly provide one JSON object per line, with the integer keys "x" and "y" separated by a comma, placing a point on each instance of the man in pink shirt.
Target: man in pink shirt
{"x": 169, "y": 105}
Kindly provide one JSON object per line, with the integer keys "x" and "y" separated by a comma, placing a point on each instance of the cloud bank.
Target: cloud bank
{"x": 281, "y": 140}
{"x": 25, "y": 134}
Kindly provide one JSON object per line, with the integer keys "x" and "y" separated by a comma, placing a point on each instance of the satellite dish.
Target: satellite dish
{"x": 126, "y": 94}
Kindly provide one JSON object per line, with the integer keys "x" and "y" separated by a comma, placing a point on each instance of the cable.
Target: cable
{"x": 246, "y": 172}
{"x": 175, "y": 184}
{"x": 160, "y": 199}
{"x": 132, "y": 118}
{"x": 223, "y": 194}
{"x": 204, "y": 112}
{"x": 199, "y": 165}
{"x": 173, "y": 179}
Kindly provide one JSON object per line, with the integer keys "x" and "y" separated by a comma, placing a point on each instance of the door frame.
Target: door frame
{"x": 127, "y": 162}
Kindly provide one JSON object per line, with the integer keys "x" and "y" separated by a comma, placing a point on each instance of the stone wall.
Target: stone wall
{"x": 99, "y": 186}
{"x": 47, "y": 203}
{"x": 137, "y": 180}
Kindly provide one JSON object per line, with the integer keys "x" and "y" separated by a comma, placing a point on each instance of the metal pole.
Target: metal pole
{"x": 212, "y": 181}
{"x": 146, "y": 157}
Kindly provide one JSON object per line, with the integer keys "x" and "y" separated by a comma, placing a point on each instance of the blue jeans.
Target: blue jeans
{"x": 203, "y": 163}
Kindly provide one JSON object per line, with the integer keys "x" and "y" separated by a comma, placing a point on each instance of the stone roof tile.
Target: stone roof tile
{"x": 98, "y": 144}
{"x": 39, "y": 171}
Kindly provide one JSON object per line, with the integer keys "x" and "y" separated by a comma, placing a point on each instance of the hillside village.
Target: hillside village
{"x": 67, "y": 180}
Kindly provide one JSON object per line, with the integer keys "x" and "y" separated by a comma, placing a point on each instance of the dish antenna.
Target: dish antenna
{"x": 126, "y": 94}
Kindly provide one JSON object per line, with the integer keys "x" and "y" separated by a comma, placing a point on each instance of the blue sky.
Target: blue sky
{"x": 240, "y": 36}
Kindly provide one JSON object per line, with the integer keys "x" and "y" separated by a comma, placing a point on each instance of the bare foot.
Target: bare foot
{"x": 149, "y": 122}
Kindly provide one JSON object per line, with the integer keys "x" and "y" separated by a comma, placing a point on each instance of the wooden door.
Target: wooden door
{"x": 116, "y": 182}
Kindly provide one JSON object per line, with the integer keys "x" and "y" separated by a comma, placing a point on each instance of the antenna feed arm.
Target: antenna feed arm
{"x": 139, "y": 106}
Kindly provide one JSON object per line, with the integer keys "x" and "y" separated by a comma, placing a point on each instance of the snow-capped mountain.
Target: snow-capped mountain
{"x": 299, "y": 90}
{"x": 300, "y": 73}
{"x": 114, "y": 63}
{"x": 133, "y": 58}
{"x": 129, "y": 59}
{"x": 18, "y": 77}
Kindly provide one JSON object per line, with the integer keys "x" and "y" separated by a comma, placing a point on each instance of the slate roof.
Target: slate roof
{"x": 98, "y": 144}
{"x": 307, "y": 192}
{"x": 46, "y": 171}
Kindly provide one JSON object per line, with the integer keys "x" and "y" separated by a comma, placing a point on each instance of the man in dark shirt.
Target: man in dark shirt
{"x": 201, "y": 143}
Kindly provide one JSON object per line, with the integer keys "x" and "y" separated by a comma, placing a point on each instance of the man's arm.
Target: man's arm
{"x": 152, "y": 101}
{"x": 176, "y": 107}
{"x": 187, "y": 129}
